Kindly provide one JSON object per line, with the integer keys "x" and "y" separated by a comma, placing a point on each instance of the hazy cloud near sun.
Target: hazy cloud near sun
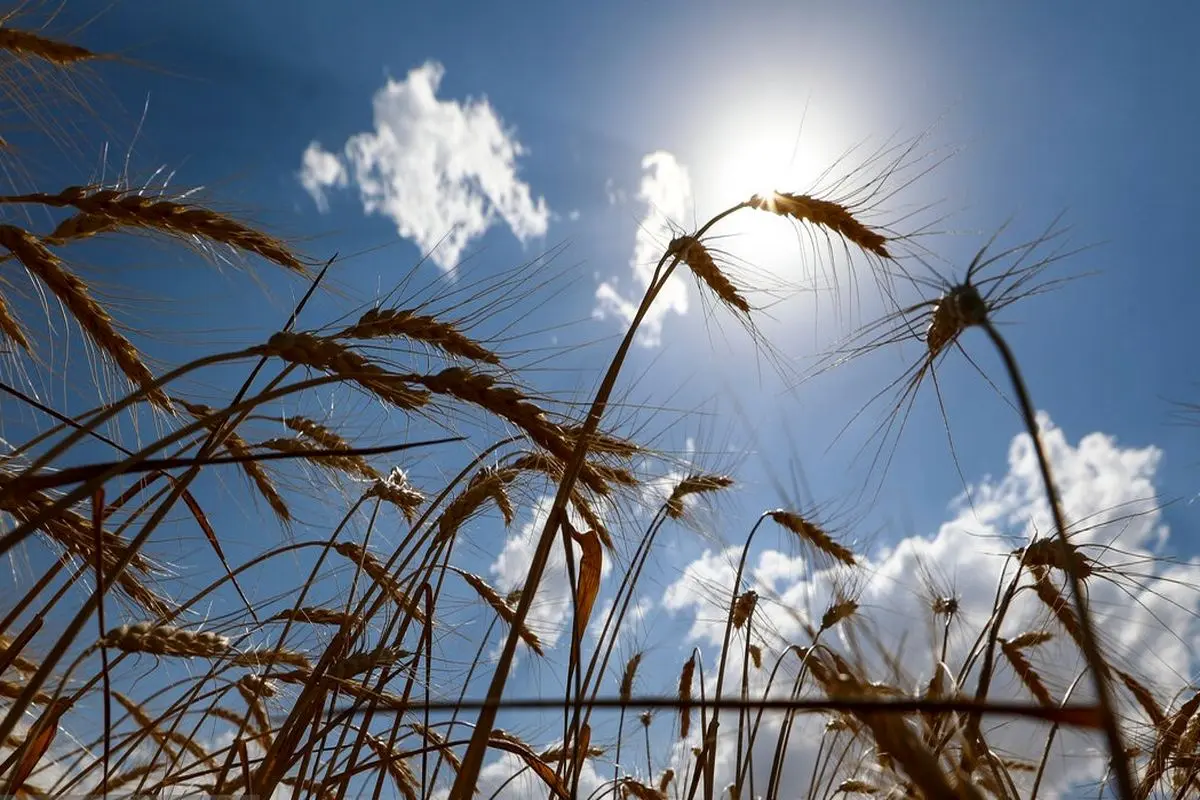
{"x": 666, "y": 191}
{"x": 443, "y": 171}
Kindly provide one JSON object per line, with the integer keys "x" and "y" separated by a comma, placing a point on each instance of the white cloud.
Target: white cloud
{"x": 321, "y": 170}
{"x": 444, "y": 171}
{"x": 667, "y": 192}
{"x": 1148, "y": 622}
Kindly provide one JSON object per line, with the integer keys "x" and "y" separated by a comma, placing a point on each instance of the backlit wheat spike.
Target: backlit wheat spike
{"x": 694, "y": 484}
{"x": 314, "y": 615}
{"x": 640, "y": 791}
{"x": 393, "y": 322}
{"x": 1167, "y": 745}
{"x": 258, "y": 685}
{"x": 1052, "y": 552}
{"x": 9, "y": 325}
{"x": 348, "y": 465}
{"x": 756, "y": 656}
{"x": 128, "y": 209}
{"x": 685, "y": 696}
{"x": 165, "y": 640}
{"x": 328, "y": 356}
{"x": 168, "y": 737}
{"x": 328, "y": 440}
{"x": 1030, "y": 639}
{"x": 838, "y": 612}
{"x": 129, "y": 776}
{"x": 603, "y": 443}
{"x": 502, "y": 609}
{"x": 1144, "y": 698}
{"x": 704, "y": 267}
{"x": 395, "y": 489}
{"x": 553, "y": 755}
{"x": 91, "y": 317}
{"x": 1060, "y": 607}
{"x": 487, "y": 484}
{"x": 19, "y": 663}
{"x": 814, "y": 536}
{"x": 397, "y": 768}
{"x": 665, "y": 779}
{"x": 824, "y": 213}
{"x": 743, "y": 607}
{"x": 24, "y": 44}
{"x": 631, "y": 667}
{"x": 359, "y": 663}
{"x": 268, "y": 656}
{"x": 375, "y": 570}
{"x": 13, "y": 690}
{"x": 433, "y": 737}
{"x": 237, "y": 447}
{"x": 1028, "y": 675}
{"x": 957, "y": 310}
{"x": 855, "y": 786}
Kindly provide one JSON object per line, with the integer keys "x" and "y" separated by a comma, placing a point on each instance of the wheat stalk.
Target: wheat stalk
{"x": 827, "y": 214}
{"x": 393, "y": 322}
{"x": 25, "y": 44}
{"x": 704, "y": 267}
{"x": 694, "y": 484}
{"x": 813, "y": 535}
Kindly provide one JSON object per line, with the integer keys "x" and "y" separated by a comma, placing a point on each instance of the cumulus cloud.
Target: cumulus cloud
{"x": 443, "y": 171}
{"x": 666, "y": 190}
{"x": 1147, "y": 620}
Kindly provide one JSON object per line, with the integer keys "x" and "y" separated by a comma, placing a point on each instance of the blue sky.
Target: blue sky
{"x": 1043, "y": 108}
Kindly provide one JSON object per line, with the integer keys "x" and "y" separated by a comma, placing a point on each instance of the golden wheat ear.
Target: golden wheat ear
{"x": 91, "y": 317}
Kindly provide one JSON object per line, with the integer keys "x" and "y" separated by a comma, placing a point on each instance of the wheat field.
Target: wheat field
{"x": 146, "y": 651}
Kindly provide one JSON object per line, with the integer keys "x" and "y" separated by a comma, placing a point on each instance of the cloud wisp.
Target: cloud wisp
{"x": 442, "y": 170}
{"x": 666, "y": 191}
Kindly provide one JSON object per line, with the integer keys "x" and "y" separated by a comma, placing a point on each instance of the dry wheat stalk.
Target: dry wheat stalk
{"x": 395, "y": 489}
{"x": 91, "y": 317}
{"x": 827, "y": 214}
{"x": 685, "y": 696}
{"x": 944, "y": 606}
{"x": 165, "y": 640}
{"x": 694, "y": 484}
{"x": 24, "y": 44}
{"x": 237, "y": 447}
{"x": 552, "y": 755}
{"x": 331, "y": 357}
{"x": 101, "y": 208}
{"x": 392, "y": 322}
{"x": 631, "y": 667}
{"x": 502, "y": 609}
{"x": 315, "y": 615}
{"x": 814, "y": 536}
{"x": 603, "y": 443}
{"x": 704, "y": 267}
{"x": 1030, "y": 639}
{"x": 259, "y": 685}
{"x": 1060, "y": 607}
{"x": 375, "y": 570}
{"x": 855, "y": 786}
{"x": 743, "y": 607}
